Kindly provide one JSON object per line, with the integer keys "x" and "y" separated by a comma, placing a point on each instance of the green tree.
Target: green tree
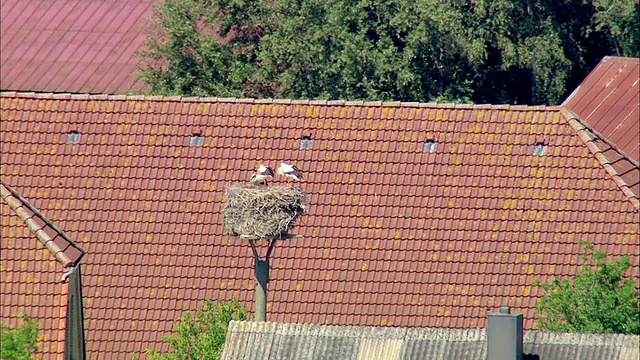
{"x": 183, "y": 56}
{"x": 599, "y": 299}
{"x": 620, "y": 20}
{"x": 384, "y": 50}
{"x": 202, "y": 337}
{"x": 490, "y": 51}
{"x": 365, "y": 50}
{"x": 19, "y": 343}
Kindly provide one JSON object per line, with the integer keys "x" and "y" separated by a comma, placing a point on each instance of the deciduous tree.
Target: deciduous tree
{"x": 489, "y": 51}
{"x": 598, "y": 299}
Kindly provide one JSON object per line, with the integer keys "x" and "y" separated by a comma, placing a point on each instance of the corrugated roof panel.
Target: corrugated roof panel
{"x": 28, "y": 11}
{"x": 83, "y": 39}
{"x": 251, "y": 340}
{"x": 9, "y": 16}
{"x": 608, "y": 101}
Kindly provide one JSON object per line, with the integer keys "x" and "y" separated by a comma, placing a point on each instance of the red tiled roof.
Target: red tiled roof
{"x": 72, "y": 46}
{"x": 394, "y": 236}
{"x": 30, "y": 278}
{"x": 608, "y": 100}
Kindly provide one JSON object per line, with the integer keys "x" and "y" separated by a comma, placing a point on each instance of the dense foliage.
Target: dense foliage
{"x": 19, "y": 343}
{"x": 599, "y": 299}
{"x": 483, "y": 51}
{"x": 202, "y": 337}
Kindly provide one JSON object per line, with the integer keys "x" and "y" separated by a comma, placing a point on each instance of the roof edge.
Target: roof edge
{"x": 573, "y": 93}
{"x": 18, "y": 205}
{"x": 582, "y": 130}
{"x": 622, "y": 59}
{"x": 71, "y": 96}
{"x": 239, "y": 327}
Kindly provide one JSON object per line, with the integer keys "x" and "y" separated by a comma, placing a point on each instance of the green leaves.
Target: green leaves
{"x": 19, "y": 343}
{"x": 203, "y": 336}
{"x": 621, "y": 20}
{"x": 597, "y": 300}
{"x": 499, "y": 51}
{"x": 184, "y": 55}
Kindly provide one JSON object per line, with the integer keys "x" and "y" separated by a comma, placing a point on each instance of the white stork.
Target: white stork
{"x": 290, "y": 171}
{"x": 262, "y": 175}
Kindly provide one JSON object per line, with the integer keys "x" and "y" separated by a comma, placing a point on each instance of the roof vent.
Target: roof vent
{"x": 306, "y": 143}
{"x": 196, "y": 140}
{"x": 540, "y": 149}
{"x": 73, "y": 137}
{"x": 430, "y": 146}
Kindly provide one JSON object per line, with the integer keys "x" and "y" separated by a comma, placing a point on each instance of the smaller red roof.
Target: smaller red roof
{"x": 608, "y": 100}
{"x": 72, "y": 46}
{"x": 61, "y": 247}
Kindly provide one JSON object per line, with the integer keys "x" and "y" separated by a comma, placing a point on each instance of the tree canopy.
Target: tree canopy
{"x": 599, "y": 299}
{"x": 487, "y": 51}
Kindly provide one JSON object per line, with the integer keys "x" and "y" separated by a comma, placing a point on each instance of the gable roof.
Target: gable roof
{"x": 395, "y": 236}
{"x": 608, "y": 100}
{"x": 72, "y": 46}
{"x": 606, "y": 107}
{"x": 31, "y": 281}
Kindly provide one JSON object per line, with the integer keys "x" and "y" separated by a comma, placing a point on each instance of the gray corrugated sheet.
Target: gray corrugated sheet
{"x": 256, "y": 340}
{"x": 582, "y": 346}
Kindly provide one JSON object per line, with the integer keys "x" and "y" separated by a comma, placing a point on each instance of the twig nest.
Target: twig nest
{"x": 262, "y": 211}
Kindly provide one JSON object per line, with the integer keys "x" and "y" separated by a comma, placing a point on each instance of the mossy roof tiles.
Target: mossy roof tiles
{"x": 394, "y": 236}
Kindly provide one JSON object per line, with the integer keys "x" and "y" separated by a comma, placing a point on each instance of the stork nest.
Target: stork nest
{"x": 262, "y": 211}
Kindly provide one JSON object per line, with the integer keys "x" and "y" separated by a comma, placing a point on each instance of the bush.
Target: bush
{"x": 19, "y": 342}
{"x": 599, "y": 299}
{"x": 202, "y": 337}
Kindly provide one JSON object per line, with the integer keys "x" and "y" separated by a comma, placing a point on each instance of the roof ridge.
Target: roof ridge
{"x": 601, "y": 137}
{"x": 137, "y": 97}
{"x": 620, "y": 59}
{"x": 583, "y": 131}
{"x": 22, "y": 208}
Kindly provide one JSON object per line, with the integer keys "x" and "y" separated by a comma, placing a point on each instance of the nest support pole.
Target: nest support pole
{"x": 262, "y": 213}
{"x": 262, "y": 279}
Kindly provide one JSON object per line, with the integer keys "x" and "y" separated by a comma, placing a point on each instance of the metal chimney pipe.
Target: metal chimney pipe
{"x": 504, "y": 335}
